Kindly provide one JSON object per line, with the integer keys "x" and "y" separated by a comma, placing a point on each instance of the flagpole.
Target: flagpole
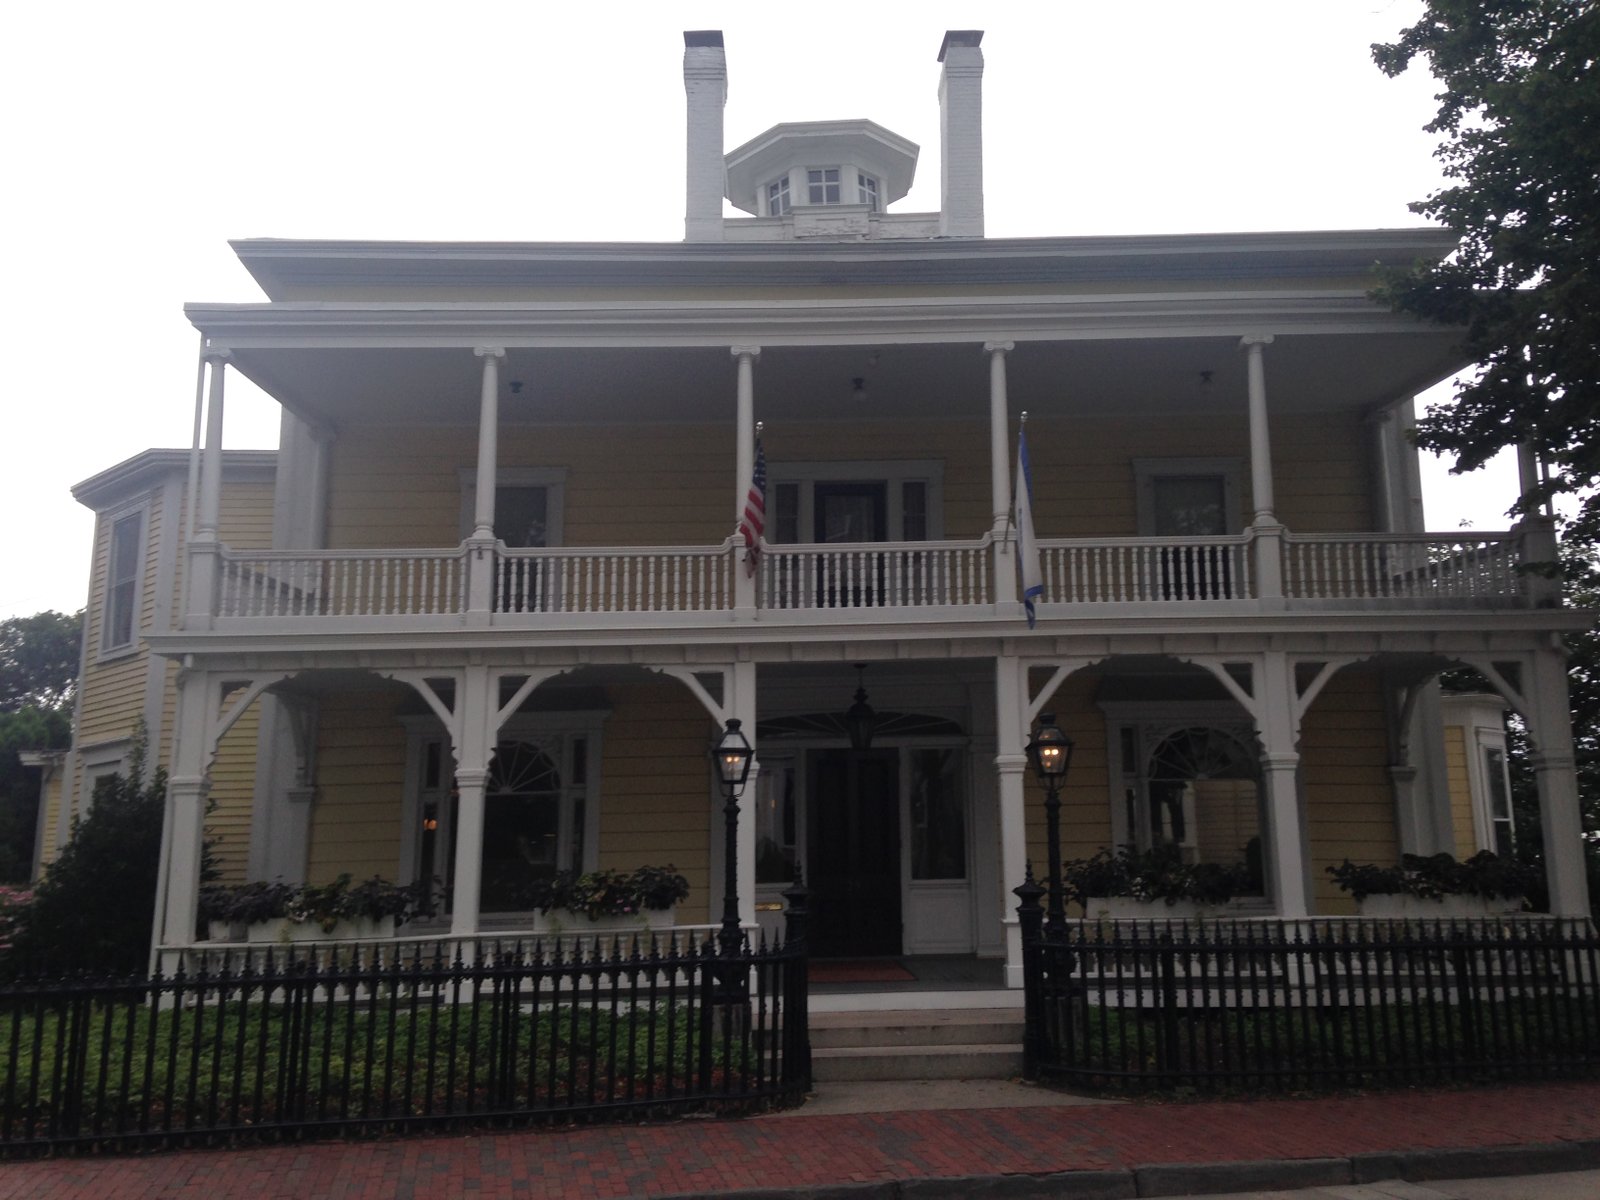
{"x": 1027, "y": 556}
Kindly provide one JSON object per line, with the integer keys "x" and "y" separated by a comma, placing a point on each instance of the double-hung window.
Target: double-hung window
{"x": 121, "y": 616}
{"x": 867, "y": 191}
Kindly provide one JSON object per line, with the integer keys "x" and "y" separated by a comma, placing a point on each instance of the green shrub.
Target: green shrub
{"x": 95, "y": 907}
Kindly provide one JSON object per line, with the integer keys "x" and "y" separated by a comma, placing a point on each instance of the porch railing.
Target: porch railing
{"x": 861, "y": 575}
{"x": 397, "y": 1036}
{"x": 1131, "y": 570}
{"x": 658, "y": 579}
{"x": 341, "y": 583}
{"x": 1420, "y": 567}
{"x": 1277, "y": 1005}
{"x": 1482, "y": 569}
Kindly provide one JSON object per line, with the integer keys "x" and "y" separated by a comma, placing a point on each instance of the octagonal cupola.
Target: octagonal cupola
{"x": 830, "y": 179}
{"x": 847, "y": 171}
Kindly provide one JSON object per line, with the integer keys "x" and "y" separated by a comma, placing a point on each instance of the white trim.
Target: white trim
{"x": 99, "y": 761}
{"x": 534, "y": 728}
{"x": 1147, "y": 470}
{"x": 892, "y": 473}
{"x": 552, "y": 479}
{"x": 106, "y": 651}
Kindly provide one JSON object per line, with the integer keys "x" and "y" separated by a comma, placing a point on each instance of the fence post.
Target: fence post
{"x": 1167, "y": 960}
{"x": 797, "y": 1023}
{"x": 1030, "y": 917}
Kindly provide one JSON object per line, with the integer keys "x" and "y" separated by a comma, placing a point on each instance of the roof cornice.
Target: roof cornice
{"x": 293, "y": 324}
{"x": 145, "y": 469}
{"x": 285, "y": 266}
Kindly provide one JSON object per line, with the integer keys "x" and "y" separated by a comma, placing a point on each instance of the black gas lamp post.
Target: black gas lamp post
{"x": 1050, "y": 751}
{"x": 732, "y": 753}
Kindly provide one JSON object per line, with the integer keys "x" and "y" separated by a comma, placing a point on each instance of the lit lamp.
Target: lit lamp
{"x": 732, "y": 754}
{"x": 1050, "y": 751}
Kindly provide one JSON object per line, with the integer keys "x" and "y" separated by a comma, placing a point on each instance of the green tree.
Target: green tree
{"x": 95, "y": 907}
{"x": 1519, "y": 122}
{"x": 38, "y": 674}
{"x": 39, "y": 660}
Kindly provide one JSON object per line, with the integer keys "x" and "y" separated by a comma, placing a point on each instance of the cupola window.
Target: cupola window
{"x": 824, "y": 185}
{"x": 778, "y": 196}
{"x": 867, "y": 191}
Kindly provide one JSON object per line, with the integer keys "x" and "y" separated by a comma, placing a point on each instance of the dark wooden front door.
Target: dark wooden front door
{"x": 854, "y": 814}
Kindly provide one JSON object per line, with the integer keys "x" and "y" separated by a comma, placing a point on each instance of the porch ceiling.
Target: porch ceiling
{"x": 580, "y": 385}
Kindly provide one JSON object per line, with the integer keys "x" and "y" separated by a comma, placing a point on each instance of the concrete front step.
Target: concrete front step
{"x": 917, "y": 1044}
{"x": 917, "y": 1027}
{"x": 840, "y": 1064}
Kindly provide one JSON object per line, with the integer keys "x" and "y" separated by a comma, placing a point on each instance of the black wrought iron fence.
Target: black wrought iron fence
{"x": 384, "y": 1037}
{"x": 1267, "y": 1005}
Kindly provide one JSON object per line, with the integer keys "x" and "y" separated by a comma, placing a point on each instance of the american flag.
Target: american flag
{"x": 754, "y": 522}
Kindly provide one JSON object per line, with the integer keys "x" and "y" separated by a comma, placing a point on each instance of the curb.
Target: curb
{"x": 1204, "y": 1179}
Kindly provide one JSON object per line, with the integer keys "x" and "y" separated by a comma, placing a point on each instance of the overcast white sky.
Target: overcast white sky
{"x": 141, "y": 137}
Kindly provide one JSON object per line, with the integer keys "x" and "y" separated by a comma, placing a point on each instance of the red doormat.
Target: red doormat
{"x": 858, "y": 970}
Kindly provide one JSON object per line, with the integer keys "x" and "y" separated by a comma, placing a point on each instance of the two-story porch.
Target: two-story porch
{"x": 510, "y": 523}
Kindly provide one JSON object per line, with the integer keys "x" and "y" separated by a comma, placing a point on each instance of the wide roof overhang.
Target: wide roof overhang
{"x": 1099, "y": 324}
{"x": 338, "y": 365}
{"x": 291, "y": 269}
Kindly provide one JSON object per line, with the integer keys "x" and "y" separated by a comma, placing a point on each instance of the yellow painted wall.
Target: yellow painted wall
{"x": 355, "y": 824}
{"x": 655, "y": 805}
{"x": 1085, "y": 812}
{"x": 1344, "y": 762}
{"x": 655, "y": 800}
{"x": 1455, "y": 761}
{"x": 233, "y": 776}
{"x": 396, "y": 486}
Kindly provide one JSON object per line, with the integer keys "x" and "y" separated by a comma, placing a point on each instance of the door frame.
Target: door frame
{"x": 913, "y": 893}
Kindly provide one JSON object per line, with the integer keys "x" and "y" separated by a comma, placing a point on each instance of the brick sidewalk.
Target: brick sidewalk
{"x": 702, "y": 1157}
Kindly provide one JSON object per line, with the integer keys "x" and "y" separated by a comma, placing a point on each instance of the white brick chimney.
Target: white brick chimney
{"x": 960, "y": 134}
{"x": 705, "y": 81}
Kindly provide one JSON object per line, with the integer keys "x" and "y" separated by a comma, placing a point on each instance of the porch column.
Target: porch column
{"x": 183, "y": 835}
{"x": 480, "y": 579}
{"x": 1554, "y": 769}
{"x": 1285, "y": 843}
{"x": 200, "y": 592}
{"x": 1268, "y": 532}
{"x": 1011, "y": 764}
{"x": 744, "y": 583}
{"x": 477, "y": 707}
{"x": 1005, "y": 572}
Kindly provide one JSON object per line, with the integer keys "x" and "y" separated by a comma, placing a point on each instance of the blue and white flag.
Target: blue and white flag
{"x": 1027, "y": 544}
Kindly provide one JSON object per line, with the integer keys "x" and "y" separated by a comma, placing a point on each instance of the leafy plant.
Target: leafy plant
{"x": 1155, "y": 874}
{"x": 1431, "y": 876}
{"x": 607, "y": 893}
{"x": 247, "y": 904}
{"x": 325, "y": 904}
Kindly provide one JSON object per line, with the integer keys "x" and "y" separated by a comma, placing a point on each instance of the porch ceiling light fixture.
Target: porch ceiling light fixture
{"x": 860, "y": 720}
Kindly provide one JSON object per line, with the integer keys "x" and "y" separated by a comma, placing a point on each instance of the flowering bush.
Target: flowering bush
{"x": 607, "y": 893}
{"x": 1430, "y": 876}
{"x": 14, "y": 903}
